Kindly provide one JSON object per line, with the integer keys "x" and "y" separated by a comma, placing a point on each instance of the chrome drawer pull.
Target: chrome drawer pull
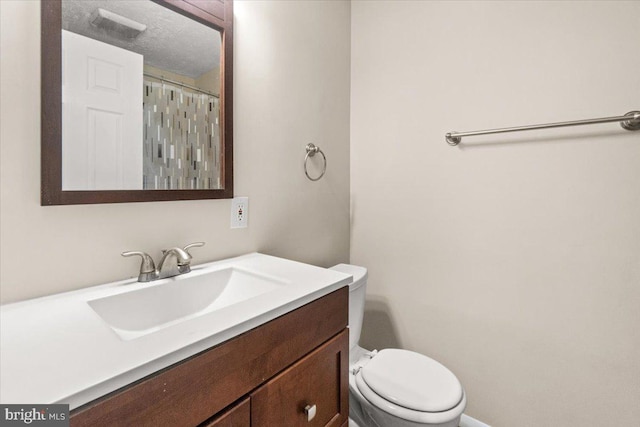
{"x": 310, "y": 411}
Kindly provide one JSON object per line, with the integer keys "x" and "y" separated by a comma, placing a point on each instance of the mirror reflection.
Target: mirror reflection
{"x": 140, "y": 98}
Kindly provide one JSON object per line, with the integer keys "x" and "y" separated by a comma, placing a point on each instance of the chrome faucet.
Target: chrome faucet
{"x": 148, "y": 270}
{"x": 182, "y": 265}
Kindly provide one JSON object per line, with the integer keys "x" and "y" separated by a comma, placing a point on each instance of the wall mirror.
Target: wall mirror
{"x": 136, "y": 100}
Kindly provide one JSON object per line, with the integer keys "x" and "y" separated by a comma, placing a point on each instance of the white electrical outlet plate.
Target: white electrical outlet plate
{"x": 239, "y": 212}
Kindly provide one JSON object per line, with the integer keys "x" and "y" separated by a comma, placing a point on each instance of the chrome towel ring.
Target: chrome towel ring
{"x": 312, "y": 149}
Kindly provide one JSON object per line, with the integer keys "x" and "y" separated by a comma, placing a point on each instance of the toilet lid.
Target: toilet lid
{"x": 412, "y": 380}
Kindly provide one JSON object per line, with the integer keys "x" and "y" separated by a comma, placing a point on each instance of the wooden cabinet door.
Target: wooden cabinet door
{"x": 319, "y": 380}
{"x": 238, "y": 416}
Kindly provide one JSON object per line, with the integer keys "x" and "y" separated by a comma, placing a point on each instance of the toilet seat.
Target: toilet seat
{"x": 411, "y": 386}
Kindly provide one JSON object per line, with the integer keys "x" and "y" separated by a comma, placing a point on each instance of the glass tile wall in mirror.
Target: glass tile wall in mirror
{"x": 140, "y": 98}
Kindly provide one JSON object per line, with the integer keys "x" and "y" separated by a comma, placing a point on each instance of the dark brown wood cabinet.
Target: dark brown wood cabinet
{"x": 264, "y": 377}
{"x": 238, "y": 416}
{"x": 314, "y": 382}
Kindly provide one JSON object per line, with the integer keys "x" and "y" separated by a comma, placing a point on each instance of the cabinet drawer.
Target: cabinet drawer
{"x": 238, "y": 416}
{"x": 319, "y": 379}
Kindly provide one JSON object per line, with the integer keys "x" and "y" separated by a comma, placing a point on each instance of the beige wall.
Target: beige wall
{"x": 210, "y": 80}
{"x": 158, "y": 72}
{"x": 291, "y": 88}
{"x": 515, "y": 261}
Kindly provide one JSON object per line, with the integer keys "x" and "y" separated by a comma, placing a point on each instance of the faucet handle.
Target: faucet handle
{"x": 147, "y": 268}
{"x": 192, "y": 245}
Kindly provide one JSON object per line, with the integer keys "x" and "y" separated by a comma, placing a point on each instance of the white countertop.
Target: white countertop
{"x": 56, "y": 349}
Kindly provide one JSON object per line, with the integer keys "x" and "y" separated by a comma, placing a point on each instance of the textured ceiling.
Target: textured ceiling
{"x": 171, "y": 41}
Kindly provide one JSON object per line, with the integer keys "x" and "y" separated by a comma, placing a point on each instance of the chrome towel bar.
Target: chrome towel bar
{"x": 630, "y": 121}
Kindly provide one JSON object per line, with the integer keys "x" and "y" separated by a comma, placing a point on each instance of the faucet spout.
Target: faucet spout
{"x": 182, "y": 265}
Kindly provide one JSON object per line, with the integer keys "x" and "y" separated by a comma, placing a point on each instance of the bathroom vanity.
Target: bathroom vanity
{"x": 264, "y": 377}
{"x": 263, "y": 342}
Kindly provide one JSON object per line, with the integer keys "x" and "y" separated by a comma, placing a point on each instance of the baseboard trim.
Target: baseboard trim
{"x": 467, "y": 421}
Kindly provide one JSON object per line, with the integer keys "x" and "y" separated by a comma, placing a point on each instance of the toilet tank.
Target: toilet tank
{"x": 357, "y": 290}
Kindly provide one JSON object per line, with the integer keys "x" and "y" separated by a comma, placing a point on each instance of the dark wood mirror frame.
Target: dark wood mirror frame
{"x": 217, "y": 14}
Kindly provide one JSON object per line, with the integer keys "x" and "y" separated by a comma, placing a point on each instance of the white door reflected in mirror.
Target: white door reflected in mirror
{"x": 101, "y": 115}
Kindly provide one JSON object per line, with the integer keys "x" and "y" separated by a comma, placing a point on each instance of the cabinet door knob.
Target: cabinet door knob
{"x": 310, "y": 411}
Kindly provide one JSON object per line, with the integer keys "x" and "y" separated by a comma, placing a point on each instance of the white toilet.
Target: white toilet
{"x": 394, "y": 387}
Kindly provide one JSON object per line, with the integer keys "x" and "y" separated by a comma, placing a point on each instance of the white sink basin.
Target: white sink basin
{"x": 170, "y": 301}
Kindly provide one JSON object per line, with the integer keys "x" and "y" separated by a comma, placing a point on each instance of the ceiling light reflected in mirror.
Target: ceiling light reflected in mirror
{"x": 117, "y": 25}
